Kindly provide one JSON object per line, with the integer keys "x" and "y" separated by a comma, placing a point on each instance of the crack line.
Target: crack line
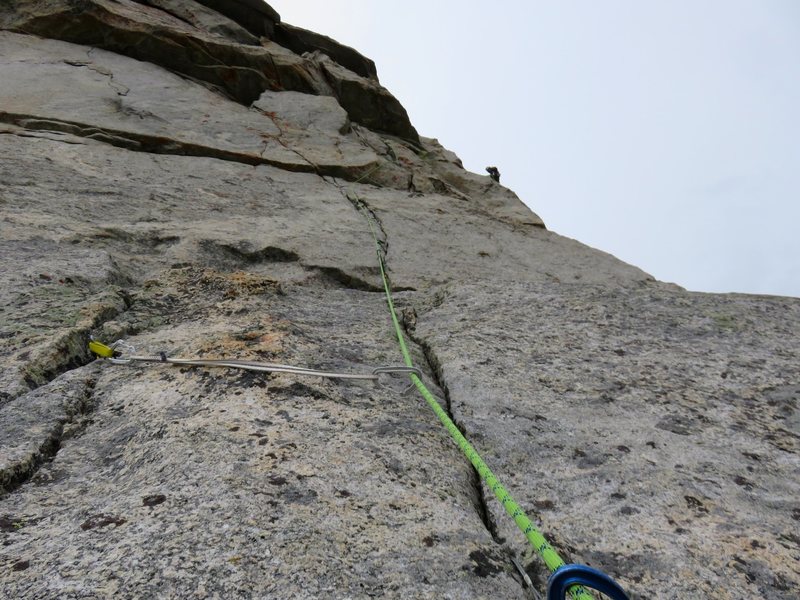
{"x": 437, "y": 373}
{"x": 408, "y": 323}
{"x": 139, "y": 142}
{"x": 279, "y": 139}
{"x": 69, "y": 351}
{"x": 117, "y": 87}
{"x": 70, "y": 408}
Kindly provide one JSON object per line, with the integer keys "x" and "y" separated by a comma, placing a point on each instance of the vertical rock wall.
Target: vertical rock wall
{"x": 188, "y": 176}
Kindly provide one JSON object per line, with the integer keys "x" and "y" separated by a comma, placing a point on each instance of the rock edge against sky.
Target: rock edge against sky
{"x": 187, "y": 176}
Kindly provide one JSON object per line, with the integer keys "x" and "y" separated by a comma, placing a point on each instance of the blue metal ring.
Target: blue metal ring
{"x": 570, "y": 575}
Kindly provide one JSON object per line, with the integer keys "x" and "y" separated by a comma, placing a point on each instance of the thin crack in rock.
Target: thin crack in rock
{"x": 65, "y": 404}
{"x": 435, "y": 368}
{"x": 70, "y": 351}
{"x": 434, "y": 365}
{"x": 280, "y": 140}
{"x": 360, "y": 204}
{"x": 140, "y": 142}
{"x": 384, "y": 238}
{"x": 117, "y": 87}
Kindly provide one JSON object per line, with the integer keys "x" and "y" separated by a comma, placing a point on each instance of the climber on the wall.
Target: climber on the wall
{"x": 493, "y": 173}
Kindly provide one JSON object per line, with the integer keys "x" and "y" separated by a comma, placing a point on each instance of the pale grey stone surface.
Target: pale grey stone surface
{"x": 651, "y": 432}
{"x": 211, "y": 483}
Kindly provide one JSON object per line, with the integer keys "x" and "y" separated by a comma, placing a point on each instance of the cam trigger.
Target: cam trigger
{"x": 101, "y": 349}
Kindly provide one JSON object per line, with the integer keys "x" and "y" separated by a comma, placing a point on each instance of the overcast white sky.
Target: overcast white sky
{"x": 666, "y": 133}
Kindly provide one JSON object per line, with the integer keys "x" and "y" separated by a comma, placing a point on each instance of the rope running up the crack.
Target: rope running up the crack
{"x": 551, "y": 558}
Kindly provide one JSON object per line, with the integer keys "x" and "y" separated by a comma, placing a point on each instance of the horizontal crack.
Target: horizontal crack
{"x": 140, "y": 142}
{"x": 153, "y": 144}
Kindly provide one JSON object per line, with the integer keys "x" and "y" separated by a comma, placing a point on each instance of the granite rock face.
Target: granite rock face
{"x": 193, "y": 177}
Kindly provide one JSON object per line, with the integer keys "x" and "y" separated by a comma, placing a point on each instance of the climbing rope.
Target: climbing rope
{"x": 564, "y": 578}
{"x": 551, "y": 558}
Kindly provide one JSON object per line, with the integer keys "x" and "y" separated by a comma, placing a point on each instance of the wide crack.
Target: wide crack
{"x": 433, "y": 363}
{"x": 65, "y": 351}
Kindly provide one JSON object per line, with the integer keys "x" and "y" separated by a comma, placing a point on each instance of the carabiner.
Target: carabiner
{"x": 570, "y": 575}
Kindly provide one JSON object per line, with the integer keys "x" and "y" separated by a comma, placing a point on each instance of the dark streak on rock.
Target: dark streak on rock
{"x": 21, "y": 565}
{"x": 153, "y": 499}
{"x": 346, "y": 280}
{"x": 696, "y": 504}
{"x": 102, "y": 520}
{"x": 299, "y": 390}
{"x": 485, "y": 564}
{"x": 7, "y": 524}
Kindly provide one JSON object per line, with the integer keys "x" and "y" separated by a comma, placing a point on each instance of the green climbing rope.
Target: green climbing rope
{"x": 534, "y": 536}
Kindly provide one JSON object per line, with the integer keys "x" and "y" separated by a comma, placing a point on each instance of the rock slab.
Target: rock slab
{"x": 201, "y": 179}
